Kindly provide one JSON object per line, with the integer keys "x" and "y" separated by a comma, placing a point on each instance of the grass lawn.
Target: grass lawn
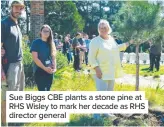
{"x": 131, "y": 69}
{"x": 67, "y": 80}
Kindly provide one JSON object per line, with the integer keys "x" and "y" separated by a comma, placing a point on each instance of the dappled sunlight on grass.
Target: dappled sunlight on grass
{"x": 131, "y": 69}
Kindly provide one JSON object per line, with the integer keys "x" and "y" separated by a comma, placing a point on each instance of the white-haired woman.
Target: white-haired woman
{"x": 104, "y": 58}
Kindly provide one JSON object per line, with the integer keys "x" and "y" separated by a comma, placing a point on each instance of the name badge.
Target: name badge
{"x": 47, "y": 62}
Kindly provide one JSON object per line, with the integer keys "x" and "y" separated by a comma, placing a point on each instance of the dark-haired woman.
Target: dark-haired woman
{"x": 44, "y": 56}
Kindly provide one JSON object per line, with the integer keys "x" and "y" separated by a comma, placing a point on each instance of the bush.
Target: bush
{"x": 27, "y": 61}
{"x": 61, "y": 60}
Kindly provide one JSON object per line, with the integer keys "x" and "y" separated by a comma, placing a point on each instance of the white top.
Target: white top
{"x": 105, "y": 54}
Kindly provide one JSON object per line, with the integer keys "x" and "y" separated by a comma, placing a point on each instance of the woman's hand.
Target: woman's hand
{"x": 48, "y": 70}
{"x": 54, "y": 69}
{"x": 98, "y": 72}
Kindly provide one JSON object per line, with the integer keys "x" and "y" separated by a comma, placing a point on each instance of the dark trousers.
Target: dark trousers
{"x": 86, "y": 58}
{"x": 76, "y": 64}
{"x": 155, "y": 60}
{"x": 150, "y": 57}
{"x": 69, "y": 57}
{"x": 43, "y": 80}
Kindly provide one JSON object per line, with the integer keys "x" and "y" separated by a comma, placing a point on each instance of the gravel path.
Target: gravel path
{"x": 148, "y": 81}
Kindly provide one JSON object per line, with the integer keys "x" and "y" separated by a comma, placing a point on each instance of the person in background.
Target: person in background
{"x": 56, "y": 39}
{"x": 70, "y": 41}
{"x": 82, "y": 49}
{"x": 104, "y": 59}
{"x": 76, "y": 52}
{"x": 67, "y": 49}
{"x": 87, "y": 42}
{"x": 150, "y": 55}
{"x": 44, "y": 56}
{"x": 60, "y": 43}
{"x": 69, "y": 37}
{"x": 155, "y": 53}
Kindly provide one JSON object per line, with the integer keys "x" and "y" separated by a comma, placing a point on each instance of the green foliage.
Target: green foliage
{"x": 63, "y": 17}
{"x": 68, "y": 79}
{"x": 137, "y": 20}
{"x": 61, "y": 60}
{"x": 4, "y": 9}
{"x": 27, "y": 61}
{"x": 93, "y": 11}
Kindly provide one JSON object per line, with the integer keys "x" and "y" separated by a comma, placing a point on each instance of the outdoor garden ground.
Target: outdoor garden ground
{"x": 68, "y": 80}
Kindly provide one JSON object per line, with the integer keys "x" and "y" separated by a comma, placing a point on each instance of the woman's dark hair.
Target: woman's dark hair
{"x": 50, "y": 40}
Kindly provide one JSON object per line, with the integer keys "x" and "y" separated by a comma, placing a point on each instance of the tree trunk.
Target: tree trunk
{"x": 137, "y": 67}
{"x": 27, "y": 24}
{"x": 27, "y": 21}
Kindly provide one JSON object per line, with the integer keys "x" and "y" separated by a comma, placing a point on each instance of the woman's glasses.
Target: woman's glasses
{"x": 46, "y": 31}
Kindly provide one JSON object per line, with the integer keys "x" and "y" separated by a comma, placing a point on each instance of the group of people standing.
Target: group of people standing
{"x": 76, "y": 49}
{"x": 102, "y": 54}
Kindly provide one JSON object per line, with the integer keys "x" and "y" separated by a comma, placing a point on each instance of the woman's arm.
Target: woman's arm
{"x": 122, "y": 47}
{"x": 39, "y": 63}
{"x": 92, "y": 56}
{"x": 54, "y": 64}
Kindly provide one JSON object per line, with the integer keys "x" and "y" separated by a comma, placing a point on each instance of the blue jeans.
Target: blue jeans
{"x": 69, "y": 57}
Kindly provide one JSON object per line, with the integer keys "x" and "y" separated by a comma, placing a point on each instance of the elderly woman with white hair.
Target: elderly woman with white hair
{"x": 104, "y": 58}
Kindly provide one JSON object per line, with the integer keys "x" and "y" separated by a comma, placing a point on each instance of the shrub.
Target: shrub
{"x": 27, "y": 61}
{"x": 61, "y": 60}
